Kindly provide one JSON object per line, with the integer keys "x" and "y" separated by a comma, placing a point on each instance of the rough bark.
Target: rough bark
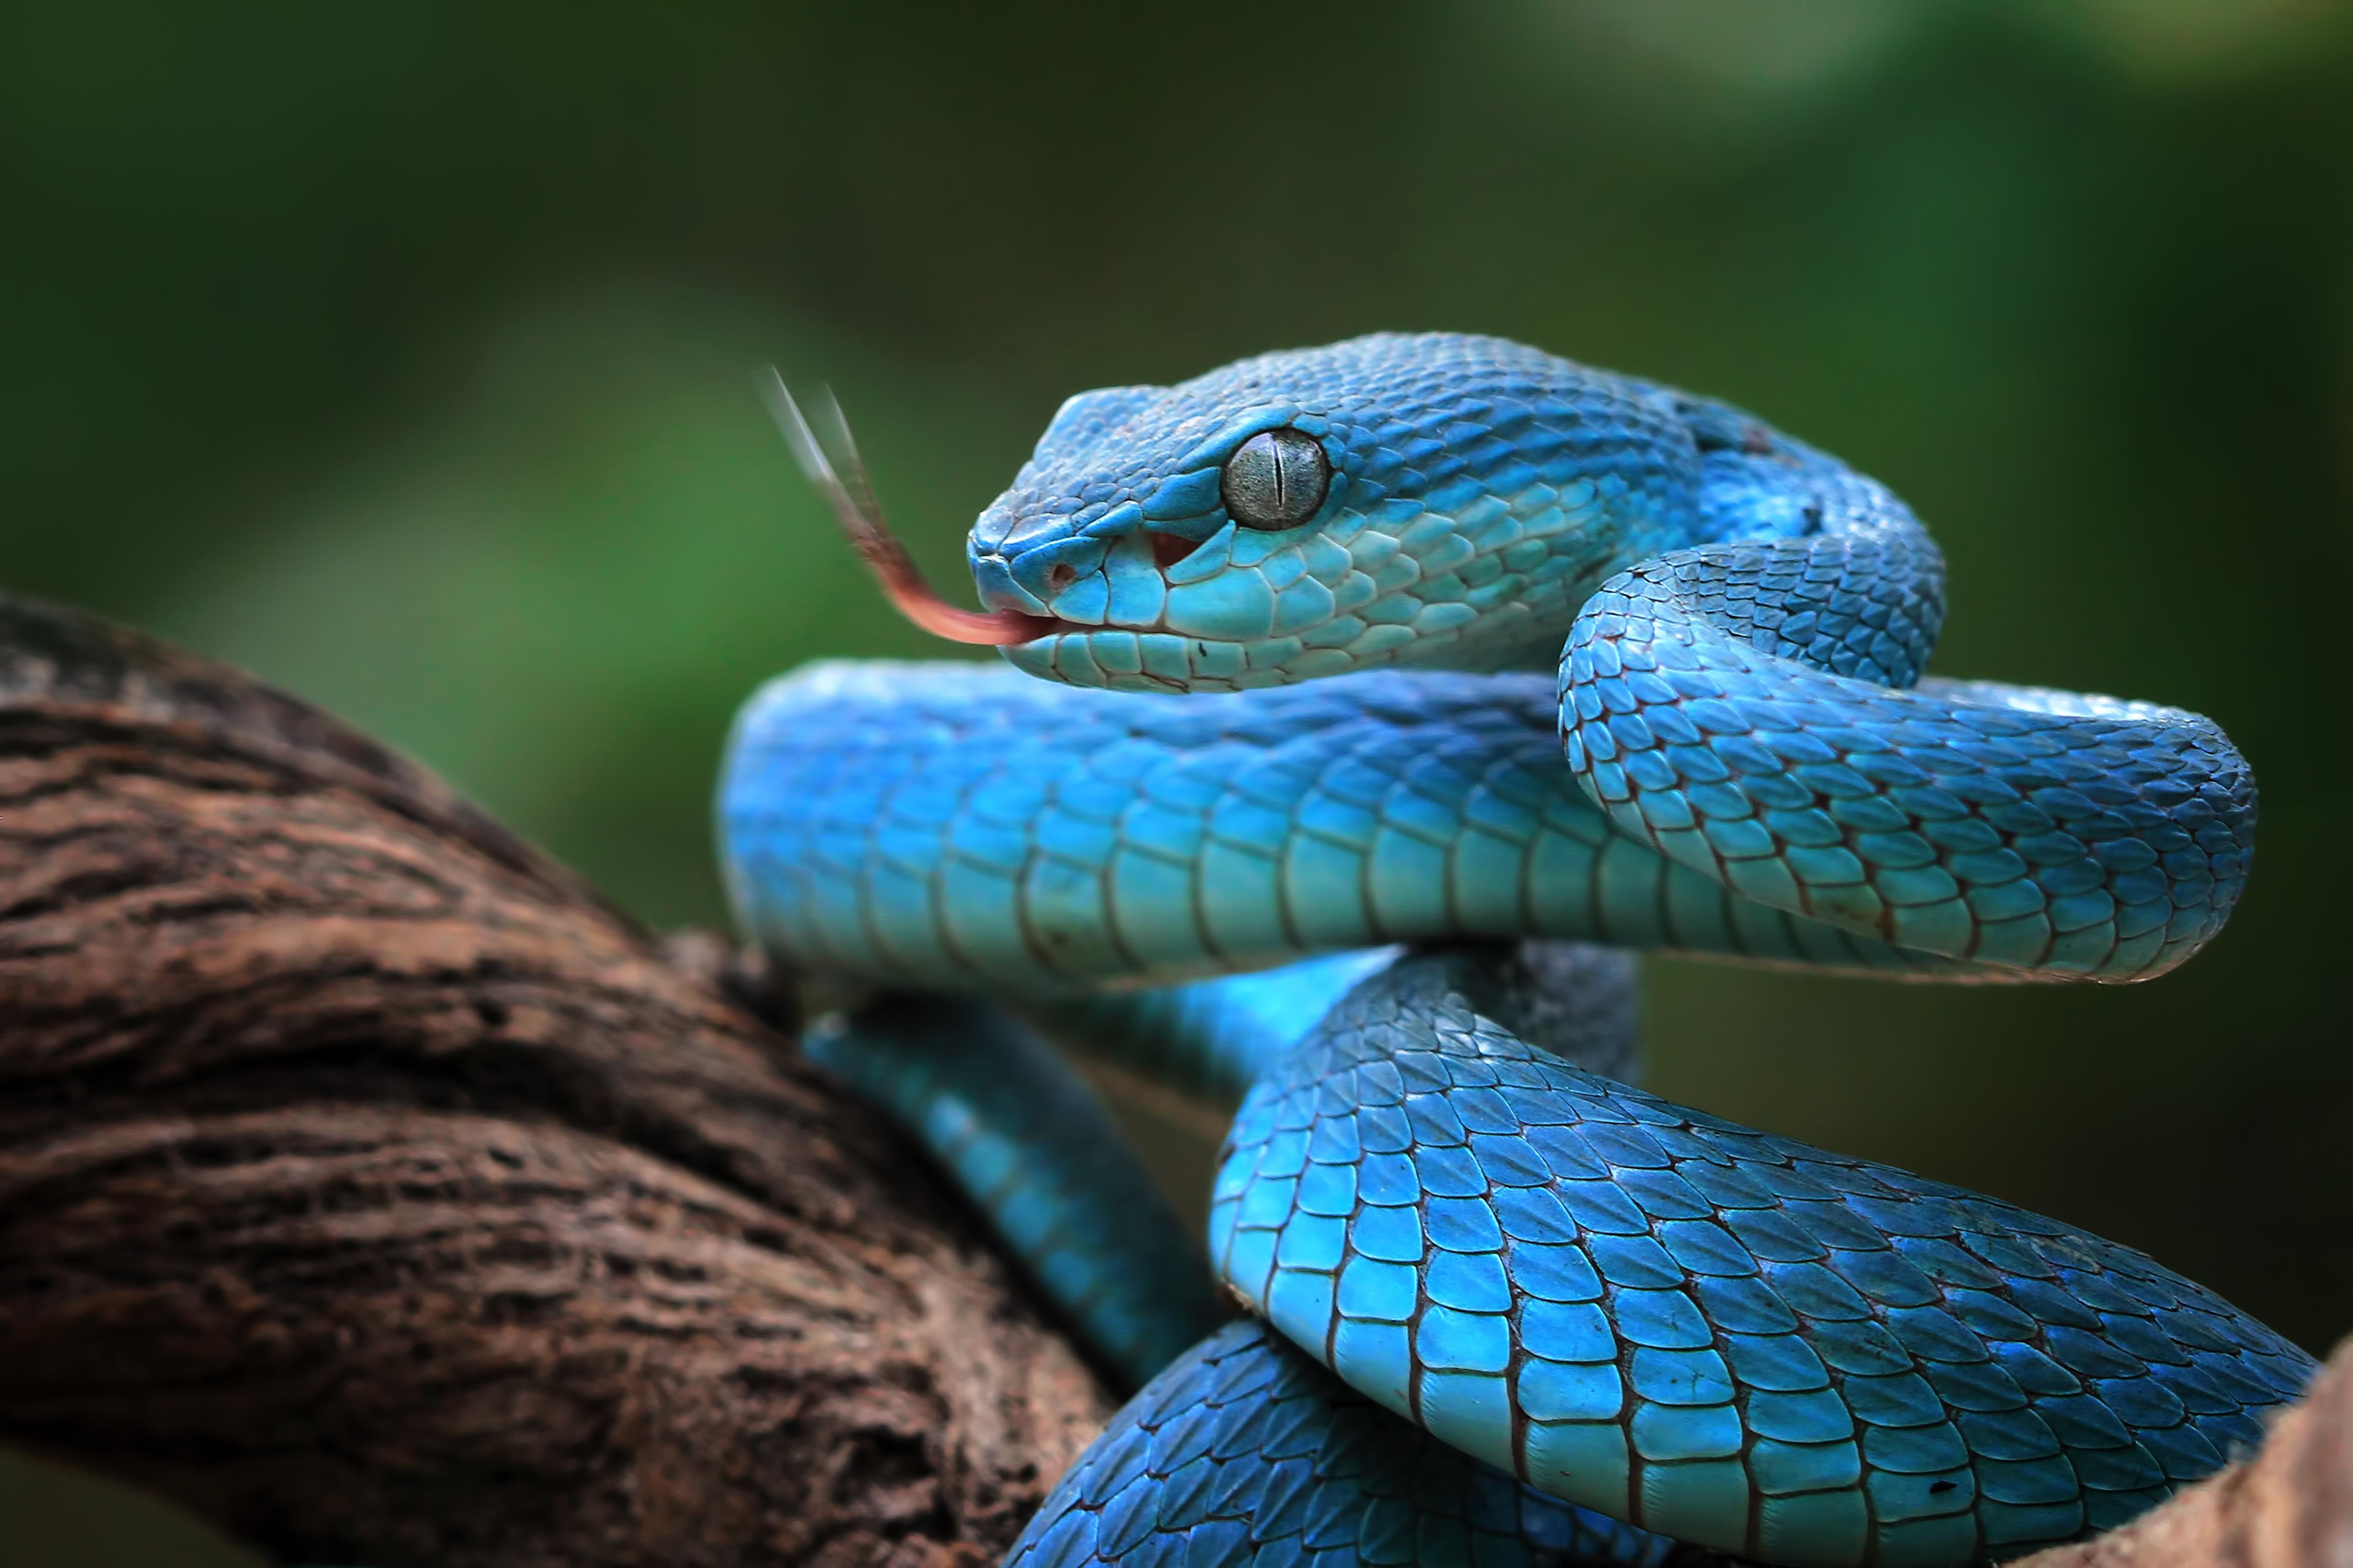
{"x": 373, "y": 1188}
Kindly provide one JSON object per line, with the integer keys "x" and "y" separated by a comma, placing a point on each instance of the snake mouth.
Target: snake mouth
{"x": 841, "y": 478}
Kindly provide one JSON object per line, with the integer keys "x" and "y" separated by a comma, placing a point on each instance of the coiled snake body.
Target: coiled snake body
{"x": 1626, "y": 1330}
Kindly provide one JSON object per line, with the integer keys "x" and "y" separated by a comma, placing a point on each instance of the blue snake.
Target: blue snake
{"x": 1520, "y": 666}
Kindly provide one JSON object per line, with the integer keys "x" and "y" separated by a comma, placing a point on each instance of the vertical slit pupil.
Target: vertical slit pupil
{"x": 1278, "y": 479}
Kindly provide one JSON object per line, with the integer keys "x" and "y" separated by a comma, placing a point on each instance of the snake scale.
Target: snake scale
{"x": 1518, "y": 667}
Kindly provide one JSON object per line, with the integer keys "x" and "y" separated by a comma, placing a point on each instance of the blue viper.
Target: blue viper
{"x": 1518, "y": 663}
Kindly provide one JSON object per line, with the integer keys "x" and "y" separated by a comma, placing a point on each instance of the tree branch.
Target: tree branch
{"x": 373, "y": 1188}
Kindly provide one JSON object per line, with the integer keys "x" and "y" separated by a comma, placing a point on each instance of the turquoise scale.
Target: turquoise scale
{"x": 1245, "y": 1452}
{"x": 905, "y": 824}
{"x": 1733, "y": 1338}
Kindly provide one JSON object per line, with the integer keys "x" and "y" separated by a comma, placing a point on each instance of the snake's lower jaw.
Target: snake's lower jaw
{"x": 1109, "y": 657}
{"x": 1121, "y": 659}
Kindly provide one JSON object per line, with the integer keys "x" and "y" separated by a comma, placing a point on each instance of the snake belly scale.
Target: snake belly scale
{"x": 1367, "y": 707}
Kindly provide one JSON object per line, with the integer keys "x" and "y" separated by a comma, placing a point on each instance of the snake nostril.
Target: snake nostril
{"x": 1061, "y": 574}
{"x": 1168, "y": 549}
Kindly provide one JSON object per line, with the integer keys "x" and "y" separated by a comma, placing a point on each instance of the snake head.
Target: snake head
{"x": 1436, "y": 500}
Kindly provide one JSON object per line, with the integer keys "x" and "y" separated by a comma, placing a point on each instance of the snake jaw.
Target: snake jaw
{"x": 846, "y": 490}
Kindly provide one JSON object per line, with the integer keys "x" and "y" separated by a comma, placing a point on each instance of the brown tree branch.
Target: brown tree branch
{"x": 373, "y": 1188}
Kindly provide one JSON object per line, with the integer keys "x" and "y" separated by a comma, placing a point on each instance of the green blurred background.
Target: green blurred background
{"x": 400, "y": 353}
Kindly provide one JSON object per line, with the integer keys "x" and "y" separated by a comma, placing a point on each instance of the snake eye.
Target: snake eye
{"x": 1277, "y": 479}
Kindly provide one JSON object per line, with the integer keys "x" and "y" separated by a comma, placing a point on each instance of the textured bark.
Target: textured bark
{"x": 373, "y": 1188}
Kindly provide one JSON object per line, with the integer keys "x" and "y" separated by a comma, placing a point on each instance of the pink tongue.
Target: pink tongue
{"x": 847, "y": 492}
{"x": 905, "y": 586}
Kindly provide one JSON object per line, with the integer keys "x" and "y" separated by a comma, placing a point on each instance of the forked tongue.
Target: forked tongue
{"x": 843, "y": 485}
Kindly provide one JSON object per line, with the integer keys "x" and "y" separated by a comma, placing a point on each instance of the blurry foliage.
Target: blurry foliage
{"x": 401, "y": 354}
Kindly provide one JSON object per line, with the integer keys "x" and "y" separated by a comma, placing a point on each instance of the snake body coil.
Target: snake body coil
{"x": 1439, "y": 1184}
